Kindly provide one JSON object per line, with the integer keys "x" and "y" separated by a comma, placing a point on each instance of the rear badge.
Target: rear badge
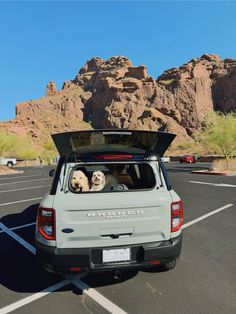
{"x": 115, "y": 214}
{"x": 67, "y": 230}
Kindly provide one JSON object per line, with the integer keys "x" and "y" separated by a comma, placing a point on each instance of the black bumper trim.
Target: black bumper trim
{"x": 90, "y": 259}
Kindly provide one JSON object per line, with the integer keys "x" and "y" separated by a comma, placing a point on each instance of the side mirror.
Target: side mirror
{"x": 51, "y": 173}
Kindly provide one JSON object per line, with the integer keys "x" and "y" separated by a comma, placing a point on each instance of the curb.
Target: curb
{"x": 12, "y": 172}
{"x": 206, "y": 172}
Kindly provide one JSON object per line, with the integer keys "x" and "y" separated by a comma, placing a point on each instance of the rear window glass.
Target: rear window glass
{"x": 111, "y": 177}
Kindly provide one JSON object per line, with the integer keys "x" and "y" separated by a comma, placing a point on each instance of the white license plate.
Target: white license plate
{"x": 117, "y": 255}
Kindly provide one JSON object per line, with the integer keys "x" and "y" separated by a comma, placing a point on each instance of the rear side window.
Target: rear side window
{"x": 111, "y": 177}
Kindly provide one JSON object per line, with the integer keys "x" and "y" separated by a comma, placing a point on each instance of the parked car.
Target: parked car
{"x": 165, "y": 159}
{"x": 187, "y": 158}
{"x": 9, "y": 162}
{"x": 130, "y": 220}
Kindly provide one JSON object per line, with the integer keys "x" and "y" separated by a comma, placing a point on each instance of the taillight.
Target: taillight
{"x": 176, "y": 216}
{"x": 47, "y": 223}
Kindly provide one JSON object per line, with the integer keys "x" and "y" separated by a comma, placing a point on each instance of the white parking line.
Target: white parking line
{"x": 20, "y": 240}
{"x": 190, "y": 223}
{"x": 5, "y": 178}
{"x": 92, "y": 293}
{"x": 215, "y": 184}
{"x": 96, "y": 296}
{"x": 21, "y": 227}
{"x": 22, "y": 201}
{"x": 32, "y": 187}
{"x": 36, "y": 296}
{"x": 24, "y": 181}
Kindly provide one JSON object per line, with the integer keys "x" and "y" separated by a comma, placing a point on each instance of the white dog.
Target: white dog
{"x": 98, "y": 181}
{"x": 79, "y": 181}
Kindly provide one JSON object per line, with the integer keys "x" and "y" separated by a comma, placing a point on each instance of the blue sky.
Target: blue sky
{"x": 43, "y": 41}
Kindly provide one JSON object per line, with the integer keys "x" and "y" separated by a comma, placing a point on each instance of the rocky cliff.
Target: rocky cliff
{"x": 115, "y": 94}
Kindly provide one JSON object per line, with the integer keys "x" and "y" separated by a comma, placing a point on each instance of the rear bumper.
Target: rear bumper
{"x": 90, "y": 259}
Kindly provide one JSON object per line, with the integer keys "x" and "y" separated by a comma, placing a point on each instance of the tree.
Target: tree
{"x": 219, "y": 134}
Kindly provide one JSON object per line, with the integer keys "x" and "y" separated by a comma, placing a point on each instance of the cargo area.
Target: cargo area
{"x": 111, "y": 177}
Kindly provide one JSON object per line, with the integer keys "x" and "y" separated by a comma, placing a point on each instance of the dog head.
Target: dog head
{"x": 98, "y": 179}
{"x": 79, "y": 181}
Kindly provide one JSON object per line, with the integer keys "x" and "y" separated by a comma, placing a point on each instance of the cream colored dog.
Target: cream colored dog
{"x": 98, "y": 181}
{"x": 79, "y": 181}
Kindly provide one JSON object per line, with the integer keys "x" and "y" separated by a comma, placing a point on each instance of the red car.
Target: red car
{"x": 188, "y": 159}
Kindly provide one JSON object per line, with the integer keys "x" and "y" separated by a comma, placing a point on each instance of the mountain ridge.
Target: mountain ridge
{"x": 114, "y": 93}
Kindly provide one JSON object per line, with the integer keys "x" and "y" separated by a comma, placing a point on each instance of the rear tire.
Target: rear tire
{"x": 9, "y": 164}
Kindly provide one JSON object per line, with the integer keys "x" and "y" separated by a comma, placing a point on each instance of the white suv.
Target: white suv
{"x": 126, "y": 217}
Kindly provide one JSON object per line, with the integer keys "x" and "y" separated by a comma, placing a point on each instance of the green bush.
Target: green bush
{"x": 48, "y": 152}
{"x": 218, "y": 135}
{"x": 12, "y": 145}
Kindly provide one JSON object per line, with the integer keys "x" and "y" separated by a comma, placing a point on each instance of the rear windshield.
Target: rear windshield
{"x": 111, "y": 177}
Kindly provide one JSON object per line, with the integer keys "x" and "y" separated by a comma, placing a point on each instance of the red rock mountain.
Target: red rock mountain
{"x": 115, "y": 94}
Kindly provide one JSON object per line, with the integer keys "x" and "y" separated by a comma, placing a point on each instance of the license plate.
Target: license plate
{"x": 117, "y": 255}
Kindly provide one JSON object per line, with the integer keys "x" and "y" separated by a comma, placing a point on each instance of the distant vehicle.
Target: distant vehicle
{"x": 165, "y": 159}
{"x": 188, "y": 158}
{"x": 9, "y": 162}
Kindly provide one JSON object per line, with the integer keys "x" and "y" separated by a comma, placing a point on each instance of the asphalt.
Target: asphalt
{"x": 204, "y": 280}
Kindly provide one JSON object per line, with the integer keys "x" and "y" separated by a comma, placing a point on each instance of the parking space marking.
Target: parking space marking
{"x": 21, "y": 227}
{"x": 215, "y": 184}
{"x": 32, "y": 187}
{"x": 18, "y": 238}
{"x": 92, "y": 293}
{"x": 25, "y": 181}
{"x": 34, "y": 297}
{"x": 96, "y": 296}
{"x": 7, "y": 176}
{"x": 21, "y": 201}
{"x": 190, "y": 223}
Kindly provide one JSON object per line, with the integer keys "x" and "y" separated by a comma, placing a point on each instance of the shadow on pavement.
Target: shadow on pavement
{"x": 18, "y": 265}
{"x": 18, "y": 219}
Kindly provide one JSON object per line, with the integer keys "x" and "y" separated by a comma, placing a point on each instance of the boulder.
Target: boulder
{"x": 51, "y": 89}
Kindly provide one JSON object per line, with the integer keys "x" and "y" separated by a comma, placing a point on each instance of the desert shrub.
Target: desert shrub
{"x": 12, "y": 145}
{"x": 218, "y": 135}
{"x": 224, "y": 165}
{"x": 8, "y": 143}
{"x": 184, "y": 148}
{"x": 48, "y": 152}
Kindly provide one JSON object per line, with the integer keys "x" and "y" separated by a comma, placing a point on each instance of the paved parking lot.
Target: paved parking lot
{"x": 203, "y": 282}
